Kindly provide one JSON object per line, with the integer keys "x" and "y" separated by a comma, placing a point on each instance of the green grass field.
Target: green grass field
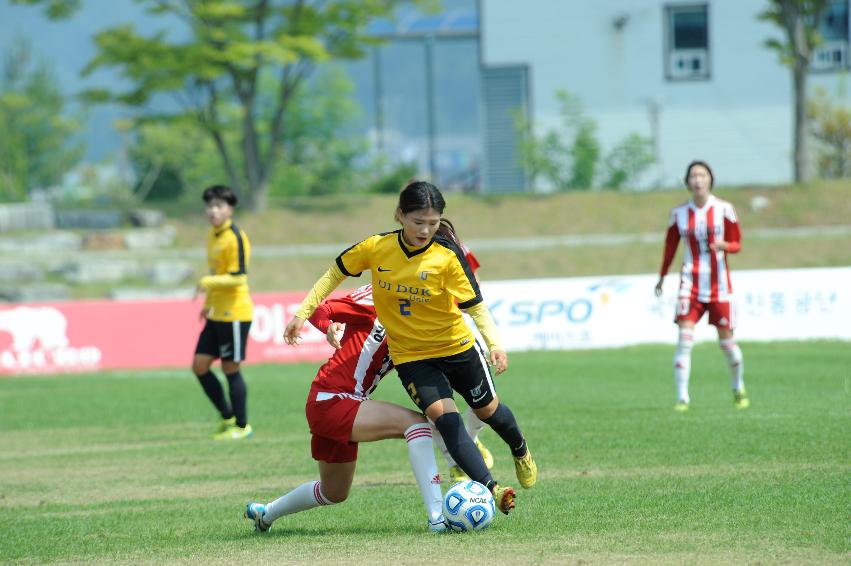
{"x": 119, "y": 468}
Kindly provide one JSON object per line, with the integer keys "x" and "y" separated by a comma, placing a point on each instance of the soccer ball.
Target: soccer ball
{"x": 468, "y": 506}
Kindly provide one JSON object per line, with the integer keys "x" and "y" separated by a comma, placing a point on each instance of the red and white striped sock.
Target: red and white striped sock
{"x": 306, "y": 496}
{"x": 421, "y": 455}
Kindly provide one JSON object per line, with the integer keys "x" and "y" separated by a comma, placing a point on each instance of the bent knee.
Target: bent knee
{"x": 335, "y": 497}
{"x": 488, "y": 410}
{"x": 201, "y": 364}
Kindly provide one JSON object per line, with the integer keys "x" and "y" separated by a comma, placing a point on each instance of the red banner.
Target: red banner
{"x": 94, "y": 335}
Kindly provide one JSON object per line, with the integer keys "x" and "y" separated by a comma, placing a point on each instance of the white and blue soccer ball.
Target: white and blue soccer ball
{"x": 468, "y": 506}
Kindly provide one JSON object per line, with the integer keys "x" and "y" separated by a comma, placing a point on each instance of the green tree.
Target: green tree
{"x": 569, "y": 157}
{"x": 35, "y": 146}
{"x": 799, "y": 20}
{"x": 627, "y": 160}
{"x": 173, "y": 155}
{"x": 565, "y": 157}
{"x": 830, "y": 126}
{"x": 170, "y": 156}
{"x": 227, "y": 49}
{"x": 317, "y": 156}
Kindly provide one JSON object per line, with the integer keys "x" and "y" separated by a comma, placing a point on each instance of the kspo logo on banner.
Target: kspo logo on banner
{"x": 525, "y": 312}
{"x": 553, "y": 314}
{"x": 39, "y": 342}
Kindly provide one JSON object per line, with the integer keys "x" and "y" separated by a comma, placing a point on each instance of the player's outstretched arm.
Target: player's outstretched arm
{"x": 321, "y": 289}
{"x": 292, "y": 333}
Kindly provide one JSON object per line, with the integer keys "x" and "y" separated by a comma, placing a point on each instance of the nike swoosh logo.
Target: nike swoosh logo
{"x": 379, "y": 269}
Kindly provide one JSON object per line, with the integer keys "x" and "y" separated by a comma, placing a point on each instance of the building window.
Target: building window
{"x": 687, "y": 45}
{"x": 832, "y": 54}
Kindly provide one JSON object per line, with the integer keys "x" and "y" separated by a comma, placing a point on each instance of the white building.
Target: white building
{"x": 695, "y": 77}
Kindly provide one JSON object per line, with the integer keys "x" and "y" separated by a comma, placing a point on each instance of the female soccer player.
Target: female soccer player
{"x": 228, "y": 311}
{"x": 416, "y": 280}
{"x": 341, "y": 414}
{"x": 472, "y": 423}
{"x": 710, "y": 229}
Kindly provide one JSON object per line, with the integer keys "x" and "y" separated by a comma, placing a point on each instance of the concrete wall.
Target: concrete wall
{"x": 740, "y": 119}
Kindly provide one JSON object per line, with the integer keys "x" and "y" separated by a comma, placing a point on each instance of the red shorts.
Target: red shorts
{"x": 721, "y": 314}
{"x": 331, "y": 417}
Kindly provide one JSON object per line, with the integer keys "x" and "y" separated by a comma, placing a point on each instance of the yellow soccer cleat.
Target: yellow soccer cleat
{"x": 486, "y": 454}
{"x": 740, "y": 399}
{"x": 526, "y": 470}
{"x": 235, "y": 433}
{"x": 224, "y": 425}
{"x": 456, "y": 474}
{"x": 681, "y": 406}
{"x": 503, "y": 497}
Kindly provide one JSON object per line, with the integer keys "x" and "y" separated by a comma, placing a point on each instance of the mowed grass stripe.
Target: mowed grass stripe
{"x": 105, "y": 470}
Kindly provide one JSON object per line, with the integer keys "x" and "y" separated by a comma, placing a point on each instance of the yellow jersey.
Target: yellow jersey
{"x": 228, "y": 253}
{"x": 418, "y": 293}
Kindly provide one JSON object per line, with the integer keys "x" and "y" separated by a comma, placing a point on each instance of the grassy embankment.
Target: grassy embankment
{"x": 345, "y": 220}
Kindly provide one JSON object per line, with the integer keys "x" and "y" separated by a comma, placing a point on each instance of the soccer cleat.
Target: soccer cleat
{"x": 681, "y": 406}
{"x": 740, "y": 399}
{"x": 254, "y": 512}
{"x": 438, "y": 525}
{"x": 235, "y": 433}
{"x": 526, "y": 470}
{"x": 225, "y": 424}
{"x": 486, "y": 454}
{"x": 503, "y": 497}
{"x": 456, "y": 474}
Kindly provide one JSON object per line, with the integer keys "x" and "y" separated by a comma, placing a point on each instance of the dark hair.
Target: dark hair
{"x": 219, "y": 192}
{"x": 447, "y": 230}
{"x": 420, "y": 195}
{"x": 702, "y": 164}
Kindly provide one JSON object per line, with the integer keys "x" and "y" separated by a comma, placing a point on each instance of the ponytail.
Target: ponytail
{"x": 447, "y": 230}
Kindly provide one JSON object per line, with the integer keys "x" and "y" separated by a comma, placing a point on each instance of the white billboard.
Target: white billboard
{"x": 600, "y": 312}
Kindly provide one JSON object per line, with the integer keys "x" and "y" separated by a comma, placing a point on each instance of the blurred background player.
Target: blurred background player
{"x": 421, "y": 282}
{"x": 341, "y": 414}
{"x": 710, "y": 230}
{"x": 227, "y": 313}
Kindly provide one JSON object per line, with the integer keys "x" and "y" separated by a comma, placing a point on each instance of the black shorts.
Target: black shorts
{"x": 427, "y": 381}
{"x": 225, "y": 340}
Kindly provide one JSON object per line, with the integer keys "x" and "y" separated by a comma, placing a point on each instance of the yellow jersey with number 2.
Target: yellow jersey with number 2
{"x": 417, "y": 293}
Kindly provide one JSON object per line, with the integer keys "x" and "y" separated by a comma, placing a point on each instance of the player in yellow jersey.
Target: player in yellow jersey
{"x": 421, "y": 283}
{"x": 228, "y": 311}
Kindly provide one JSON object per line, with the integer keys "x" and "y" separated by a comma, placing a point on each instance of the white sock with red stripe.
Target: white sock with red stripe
{"x": 736, "y": 362}
{"x": 682, "y": 363}
{"x": 472, "y": 423}
{"x": 421, "y": 455}
{"x": 306, "y": 496}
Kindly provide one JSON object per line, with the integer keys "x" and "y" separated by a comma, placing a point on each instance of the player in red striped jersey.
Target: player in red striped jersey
{"x": 709, "y": 229}
{"x": 341, "y": 414}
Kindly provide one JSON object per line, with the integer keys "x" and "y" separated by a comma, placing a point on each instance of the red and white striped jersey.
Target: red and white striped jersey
{"x": 363, "y": 360}
{"x": 705, "y": 275}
